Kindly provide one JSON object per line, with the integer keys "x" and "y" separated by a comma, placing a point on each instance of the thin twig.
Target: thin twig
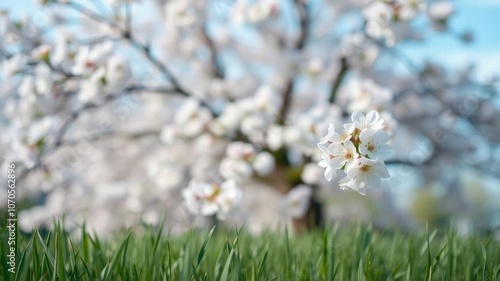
{"x": 90, "y": 14}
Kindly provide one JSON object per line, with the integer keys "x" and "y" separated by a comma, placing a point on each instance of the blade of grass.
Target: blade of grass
{"x": 46, "y": 251}
{"x": 85, "y": 244}
{"x": 485, "y": 259}
{"x": 86, "y": 269}
{"x": 21, "y": 274}
{"x": 262, "y": 264}
{"x": 61, "y": 271}
{"x": 225, "y": 272}
{"x": 429, "y": 258}
{"x": 114, "y": 261}
{"x": 204, "y": 246}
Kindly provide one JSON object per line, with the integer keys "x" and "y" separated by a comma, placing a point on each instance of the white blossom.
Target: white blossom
{"x": 409, "y": 9}
{"x": 441, "y": 10}
{"x": 61, "y": 52}
{"x": 342, "y": 154}
{"x": 118, "y": 72}
{"x": 297, "y": 201}
{"x": 261, "y": 11}
{"x": 180, "y": 12}
{"x": 275, "y": 137}
{"x": 358, "y": 156}
{"x": 192, "y": 118}
{"x": 238, "y": 12}
{"x": 379, "y": 11}
{"x": 333, "y": 137}
{"x": 13, "y": 65}
{"x": 200, "y": 197}
{"x": 43, "y": 79}
{"x": 240, "y": 150}
{"x": 165, "y": 175}
{"x": 235, "y": 169}
{"x": 88, "y": 59}
{"x": 374, "y": 144}
{"x": 229, "y": 198}
{"x": 263, "y": 163}
{"x": 41, "y": 52}
{"x": 365, "y": 95}
{"x": 370, "y": 121}
{"x": 92, "y": 89}
{"x": 208, "y": 199}
{"x": 311, "y": 174}
{"x": 379, "y": 16}
{"x": 254, "y": 13}
{"x": 367, "y": 173}
{"x": 41, "y": 128}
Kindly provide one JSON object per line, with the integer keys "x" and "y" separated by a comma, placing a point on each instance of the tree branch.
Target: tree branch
{"x": 344, "y": 67}
{"x": 287, "y": 100}
{"x": 304, "y": 24}
{"x": 145, "y": 50}
{"x": 90, "y": 14}
{"x": 128, "y": 19}
{"x": 216, "y": 67}
{"x": 299, "y": 45}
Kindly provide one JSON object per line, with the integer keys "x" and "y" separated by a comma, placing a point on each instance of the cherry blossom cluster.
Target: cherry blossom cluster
{"x": 391, "y": 20}
{"x": 104, "y": 72}
{"x": 358, "y": 152}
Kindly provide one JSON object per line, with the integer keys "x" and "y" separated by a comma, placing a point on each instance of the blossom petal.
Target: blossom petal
{"x": 335, "y": 149}
{"x": 372, "y": 117}
{"x": 328, "y": 173}
{"x": 337, "y": 162}
{"x": 381, "y": 169}
{"x": 380, "y": 137}
{"x": 357, "y": 117}
{"x": 331, "y": 131}
{"x": 350, "y": 146}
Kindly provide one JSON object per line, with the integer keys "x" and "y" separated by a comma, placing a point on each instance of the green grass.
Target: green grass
{"x": 351, "y": 253}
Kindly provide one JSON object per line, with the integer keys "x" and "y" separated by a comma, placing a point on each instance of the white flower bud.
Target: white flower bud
{"x": 441, "y": 10}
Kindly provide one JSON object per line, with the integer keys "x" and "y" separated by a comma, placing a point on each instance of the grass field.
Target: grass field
{"x": 349, "y": 253}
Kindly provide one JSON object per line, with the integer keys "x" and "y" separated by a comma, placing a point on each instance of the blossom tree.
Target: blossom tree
{"x": 116, "y": 111}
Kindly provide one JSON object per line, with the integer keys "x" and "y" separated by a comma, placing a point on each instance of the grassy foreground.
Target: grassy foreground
{"x": 353, "y": 253}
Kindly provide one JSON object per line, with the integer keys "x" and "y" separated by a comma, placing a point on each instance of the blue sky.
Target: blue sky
{"x": 482, "y": 17}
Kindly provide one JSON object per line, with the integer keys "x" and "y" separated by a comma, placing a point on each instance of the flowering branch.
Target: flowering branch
{"x": 144, "y": 49}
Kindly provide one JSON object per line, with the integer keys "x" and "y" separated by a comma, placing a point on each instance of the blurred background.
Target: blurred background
{"x": 272, "y": 75}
